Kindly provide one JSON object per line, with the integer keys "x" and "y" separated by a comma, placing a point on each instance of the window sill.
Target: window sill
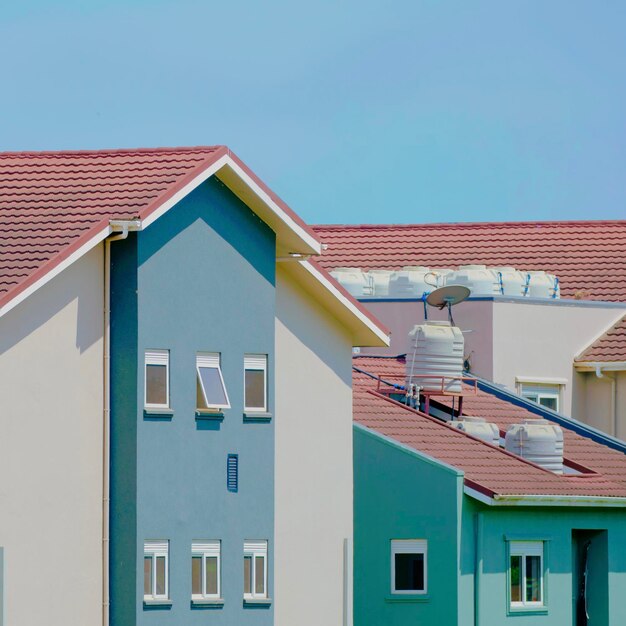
{"x": 207, "y": 602}
{"x": 257, "y": 416}
{"x": 210, "y": 414}
{"x": 158, "y": 414}
{"x": 408, "y": 597}
{"x": 527, "y": 610}
{"x": 157, "y": 603}
{"x": 257, "y": 601}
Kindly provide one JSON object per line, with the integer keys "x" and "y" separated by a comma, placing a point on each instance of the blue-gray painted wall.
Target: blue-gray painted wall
{"x": 200, "y": 279}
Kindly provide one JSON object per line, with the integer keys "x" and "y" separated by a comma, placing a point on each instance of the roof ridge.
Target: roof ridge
{"x": 511, "y": 224}
{"x": 108, "y": 151}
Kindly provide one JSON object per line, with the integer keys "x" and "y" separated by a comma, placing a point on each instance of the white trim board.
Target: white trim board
{"x": 545, "y": 500}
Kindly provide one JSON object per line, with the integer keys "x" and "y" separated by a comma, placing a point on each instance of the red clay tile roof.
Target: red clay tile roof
{"x": 589, "y": 257}
{"x": 52, "y": 203}
{"x": 609, "y": 348}
{"x": 488, "y": 469}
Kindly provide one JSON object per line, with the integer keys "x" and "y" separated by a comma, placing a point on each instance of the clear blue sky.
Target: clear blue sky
{"x": 353, "y": 111}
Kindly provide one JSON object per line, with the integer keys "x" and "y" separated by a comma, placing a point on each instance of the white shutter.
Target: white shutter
{"x": 408, "y": 546}
{"x": 156, "y": 547}
{"x": 255, "y": 362}
{"x": 208, "y": 359}
{"x": 204, "y": 547}
{"x": 526, "y": 548}
{"x": 255, "y": 546}
{"x": 157, "y": 357}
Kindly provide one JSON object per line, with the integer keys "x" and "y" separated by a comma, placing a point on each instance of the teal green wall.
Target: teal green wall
{"x": 555, "y": 525}
{"x": 398, "y": 495}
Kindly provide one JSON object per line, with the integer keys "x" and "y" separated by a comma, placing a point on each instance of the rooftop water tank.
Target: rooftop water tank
{"x": 438, "y": 350}
{"x": 539, "y": 441}
{"x": 542, "y": 285}
{"x": 477, "y": 278}
{"x": 379, "y": 280}
{"x": 412, "y": 281}
{"x": 511, "y": 282}
{"x": 353, "y": 280}
{"x": 479, "y": 427}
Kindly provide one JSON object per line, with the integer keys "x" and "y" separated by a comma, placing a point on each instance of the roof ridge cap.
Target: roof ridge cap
{"x": 109, "y": 151}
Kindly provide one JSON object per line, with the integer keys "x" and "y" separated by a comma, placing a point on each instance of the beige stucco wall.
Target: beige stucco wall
{"x": 313, "y": 424}
{"x": 603, "y": 401}
{"x": 540, "y": 341}
{"x": 51, "y": 451}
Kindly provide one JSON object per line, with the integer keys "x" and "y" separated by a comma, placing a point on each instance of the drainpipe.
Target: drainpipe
{"x": 478, "y": 566}
{"x": 612, "y": 380}
{"x": 106, "y": 421}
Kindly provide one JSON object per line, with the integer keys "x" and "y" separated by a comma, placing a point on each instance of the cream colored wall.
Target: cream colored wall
{"x": 51, "y": 450}
{"x": 604, "y": 402}
{"x": 541, "y": 340}
{"x": 313, "y": 425}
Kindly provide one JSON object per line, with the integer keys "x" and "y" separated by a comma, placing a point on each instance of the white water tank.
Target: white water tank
{"x": 479, "y": 427}
{"x": 440, "y": 275}
{"x": 353, "y": 280}
{"x": 511, "y": 282}
{"x": 438, "y": 349}
{"x": 379, "y": 280}
{"x": 412, "y": 281}
{"x": 542, "y": 285}
{"x": 477, "y": 278}
{"x": 539, "y": 441}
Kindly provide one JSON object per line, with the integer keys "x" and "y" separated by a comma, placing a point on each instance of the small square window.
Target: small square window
{"x": 205, "y": 570}
{"x": 526, "y": 573}
{"x": 157, "y": 384}
{"x": 543, "y": 394}
{"x": 255, "y": 569}
{"x": 408, "y": 566}
{"x": 155, "y": 570}
{"x": 255, "y": 382}
{"x": 210, "y": 388}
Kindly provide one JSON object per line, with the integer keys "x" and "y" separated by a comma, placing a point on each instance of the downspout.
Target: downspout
{"x": 478, "y": 566}
{"x": 613, "y": 382}
{"x": 106, "y": 422}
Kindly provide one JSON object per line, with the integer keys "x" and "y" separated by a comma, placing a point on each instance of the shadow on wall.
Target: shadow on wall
{"x": 80, "y": 285}
{"x": 305, "y": 319}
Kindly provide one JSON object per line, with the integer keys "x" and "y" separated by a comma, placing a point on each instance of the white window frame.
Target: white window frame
{"x": 254, "y": 549}
{"x": 211, "y": 360}
{"x": 153, "y": 549}
{"x": 409, "y": 546}
{"x": 156, "y": 357}
{"x": 256, "y": 362}
{"x": 208, "y": 549}
{"x": 536, "y": 391}
{"x": 524, "y": 549}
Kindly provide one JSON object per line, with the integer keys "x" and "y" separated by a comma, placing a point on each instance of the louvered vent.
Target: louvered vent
{"x": 232, "y": 473}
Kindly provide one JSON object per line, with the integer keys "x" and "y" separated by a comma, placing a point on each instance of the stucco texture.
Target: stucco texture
{"x": 313, "y": 462}
{"x": 51, "y": 450}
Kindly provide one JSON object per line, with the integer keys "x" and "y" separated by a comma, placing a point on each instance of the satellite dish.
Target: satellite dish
{"x": 447, "y": 296}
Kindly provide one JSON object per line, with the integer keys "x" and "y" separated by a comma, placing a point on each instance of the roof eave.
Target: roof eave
{"x": 545, "y": 500}
{"x": 605, "y": 366}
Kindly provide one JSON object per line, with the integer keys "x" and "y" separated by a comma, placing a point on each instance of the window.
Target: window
{"x": 255, "y": 569}
{"x": 255, "y": 382}
{"x": 546, "y": 395}
{"x": 408, "y": 565}
{"x": 205, "y": 570}
{"x": 211, "y": 391}
{"x": 526, "y": 573}
{"x": 155, "y": 570}
{"x": 157, "y": 384}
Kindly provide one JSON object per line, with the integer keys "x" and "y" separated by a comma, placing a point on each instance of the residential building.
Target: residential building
{"x": 160, "y": 326}
{"x": 451, "y": 529}
{"x": 531, "y": 345}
